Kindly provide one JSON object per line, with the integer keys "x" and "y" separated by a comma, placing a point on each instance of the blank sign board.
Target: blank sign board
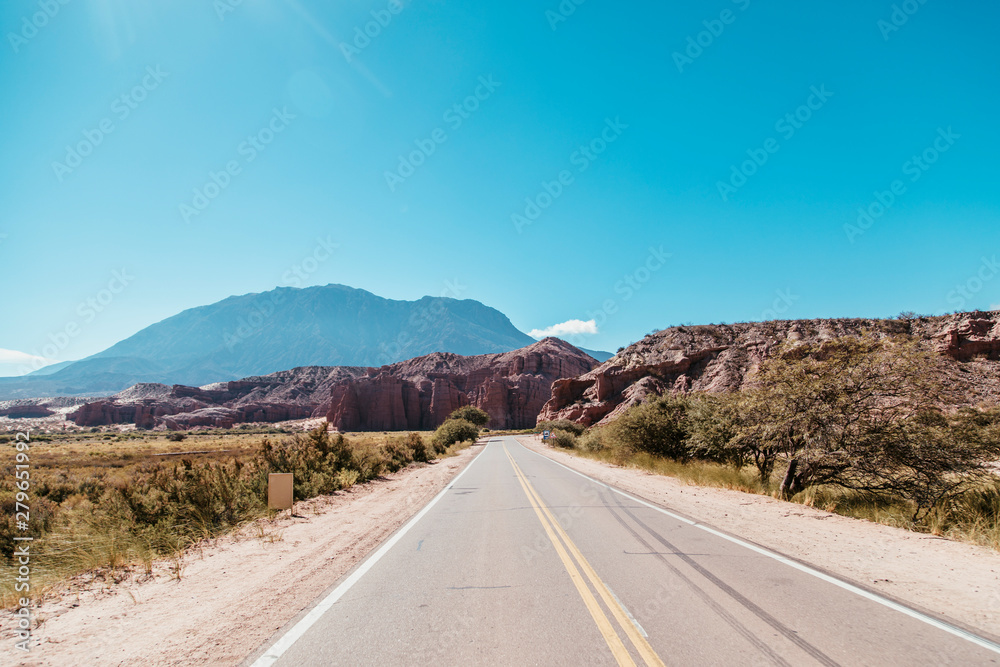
{"x": 279, "y": 490}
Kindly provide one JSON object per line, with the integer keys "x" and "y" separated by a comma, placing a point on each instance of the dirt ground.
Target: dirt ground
{"x": 952, "y": 579}
{"x": 234, "y": 592}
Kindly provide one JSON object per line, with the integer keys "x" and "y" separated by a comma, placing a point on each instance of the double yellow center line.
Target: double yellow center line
{"x": 559, "y": 538}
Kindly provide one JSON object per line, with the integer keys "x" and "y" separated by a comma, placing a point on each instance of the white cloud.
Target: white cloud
{"x": 567, "y": 328}
{"x": 15, "y": 362}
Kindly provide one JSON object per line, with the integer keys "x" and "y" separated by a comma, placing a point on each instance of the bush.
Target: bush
{"x": 471, "y": 414}
{"x": 563, "y": 439}
{"x": 562, "y": 425}
{"x": 591, "y": 441}
{"x": 419, "y": 450}
{"x": 452, "y": 431}
{"x": 657, "y": 427}
{"x": 176, "y": 436}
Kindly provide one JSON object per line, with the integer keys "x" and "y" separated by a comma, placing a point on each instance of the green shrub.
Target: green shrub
{"x": 471, "y": 414}
{"x": 591, "y": 441}
{"x": 562, "y": 425}
{"x": 563, "y": 439}
{"x": 452, "y": 431}
{"x": 657, "y": 427}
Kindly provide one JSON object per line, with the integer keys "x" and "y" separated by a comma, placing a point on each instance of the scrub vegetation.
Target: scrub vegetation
{"x": 104, "y": 503}
{"x": 853, "y": 425}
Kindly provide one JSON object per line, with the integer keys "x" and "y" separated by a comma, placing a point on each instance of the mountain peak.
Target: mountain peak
{"x": 264, "y": 332}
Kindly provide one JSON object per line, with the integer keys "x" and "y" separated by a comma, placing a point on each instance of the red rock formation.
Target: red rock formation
{"x": 27, "y": 412}
{"x": 295, "y": 394}
{"x": 720, "y": 358}
{"x": 420, "y": 393}
{"x": 974, "y": 335}
{"x": 410, "y": 395}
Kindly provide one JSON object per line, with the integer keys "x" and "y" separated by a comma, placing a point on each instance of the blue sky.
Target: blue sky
{"x": 639, "y": 166}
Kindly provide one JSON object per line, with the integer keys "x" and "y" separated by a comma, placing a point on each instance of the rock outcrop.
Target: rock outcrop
{"x": 27, "y": 412}
{"x": 415, "y": 394}
{"x": 419, "y": 394}
{"x": 295, "y": 394}
{"x": 715, "y": 358}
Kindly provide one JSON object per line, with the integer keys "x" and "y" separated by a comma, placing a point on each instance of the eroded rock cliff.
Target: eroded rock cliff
{"x": 721, "y": 357}
{"x": 420, "y": 393}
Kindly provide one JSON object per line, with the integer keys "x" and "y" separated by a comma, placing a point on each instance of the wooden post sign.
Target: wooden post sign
{"x": 279, "y": 490}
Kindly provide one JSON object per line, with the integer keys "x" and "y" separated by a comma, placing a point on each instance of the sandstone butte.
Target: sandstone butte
{"x": 720, "y": 357}
{"x": 416, "y": 394}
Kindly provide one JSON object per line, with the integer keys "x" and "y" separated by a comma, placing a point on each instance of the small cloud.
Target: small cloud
{"x": 567, "y": 328}
{"x": 15, "y": 362}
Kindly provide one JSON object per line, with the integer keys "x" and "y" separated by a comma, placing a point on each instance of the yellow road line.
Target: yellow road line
{"x": 645, "y": 650}
{"x": 618, "y": 649}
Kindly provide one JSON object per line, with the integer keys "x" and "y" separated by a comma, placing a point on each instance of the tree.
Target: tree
{"x": 471, "y": 413}
{"x": 729, "y": 428}
{"x": 861, "y": 413}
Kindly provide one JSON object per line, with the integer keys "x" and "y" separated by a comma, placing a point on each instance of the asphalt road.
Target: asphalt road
{"x": 521, "y": 561}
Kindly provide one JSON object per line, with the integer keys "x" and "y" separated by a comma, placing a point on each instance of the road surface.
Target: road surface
{"x": 521, "y": 561}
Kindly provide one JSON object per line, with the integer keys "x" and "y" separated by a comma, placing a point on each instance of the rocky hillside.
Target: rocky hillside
{"x": 414, "y": 394}
{"x": 717, "y": 358}
{"x": 420, "y": 393}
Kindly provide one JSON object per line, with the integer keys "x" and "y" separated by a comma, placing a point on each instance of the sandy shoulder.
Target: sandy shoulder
{"x": 235, "y": 592}
{"x": 956, "y": 580}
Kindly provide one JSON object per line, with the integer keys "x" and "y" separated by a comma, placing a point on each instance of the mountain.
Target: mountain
{"x": 415, "y": 394}
{"x": 257, "y": 334}
{"x": 600, "y": 355}
{"x": 53, "y": 368}
{"x": 715, "y": 358}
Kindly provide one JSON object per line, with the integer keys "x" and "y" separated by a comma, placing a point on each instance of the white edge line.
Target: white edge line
{"x": 874, "y": 597}
{"x": 272, "y": 655}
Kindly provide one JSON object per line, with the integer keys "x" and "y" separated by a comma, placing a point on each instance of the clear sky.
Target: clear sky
{"x": 641, "y": 164}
